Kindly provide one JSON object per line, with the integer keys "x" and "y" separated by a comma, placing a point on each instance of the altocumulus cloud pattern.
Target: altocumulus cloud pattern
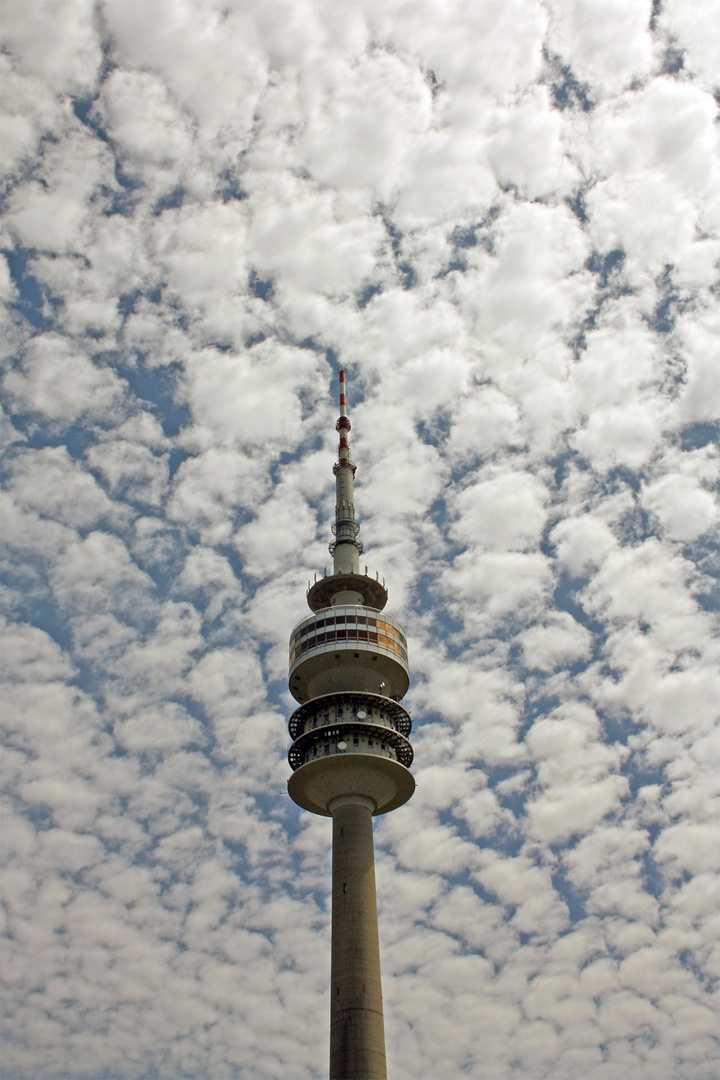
{"x": 502, "y": 217}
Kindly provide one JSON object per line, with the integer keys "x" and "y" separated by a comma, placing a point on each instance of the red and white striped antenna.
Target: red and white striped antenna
{"x": 343, "y": 400}
{"x": 343, "y": 428}
{"x": 346, "y": 547}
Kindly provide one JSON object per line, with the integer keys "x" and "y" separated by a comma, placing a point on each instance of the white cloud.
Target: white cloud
{"x": 606, "y": 865}
{"x": 203, "y": 250}
{"x": 607, "y": 44}
{"x": 685, "y": 509}
{"x": 690, "y": 847}
{"x": 527, "y": 888}
{"x": 132, "y": 469}
{"x": 529, "y": 288}
{"x": 250, "y": 399}
{"x": 700, "y": 396}
{"x": 582, "y": 543}
{"x": 29, "y": 108}
{"x": 526, "y": 150}
{"x": 618, "y": 362}
{"x": 32, "y": 656}
{"x": 446, "y": 174}
{"x": 146, "y": 129}
{"x": 58, "y": 44}
{"x": 560, "y": 640}
{"x": 494, "y": 48}
{"x": 96, "y": 573}
{"x": 644, "y": 216}
{"x": 619, "y": 435}
{"x": 484, "y": 422}
{"x": 56, "y": 379}
{"x": 498, "y": 583}
{"x": 505, "y": 512}
{"x": 668, "y": 126}
{"x": 643, "y": 582}
{"x": 157, "y": 730}
{"x": 299, "y": 231}
{"x": 211, "y": 576}
{"x": 49, "y": 482}
{"x": 212, "y": 59}
{"x": 53, "y": 212}
{"x": 271, "y": 540}
{"x": 575, "y": 773}
{"x": 347, "y": 148}
{"x": 689, "y": 28}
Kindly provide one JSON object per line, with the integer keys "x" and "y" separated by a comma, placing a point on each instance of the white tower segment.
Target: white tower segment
{"x": 350, "y": 757}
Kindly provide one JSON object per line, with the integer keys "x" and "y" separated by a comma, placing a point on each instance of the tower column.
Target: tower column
{"x": 357, "y": 1033}
{"x": 351, "y": 760}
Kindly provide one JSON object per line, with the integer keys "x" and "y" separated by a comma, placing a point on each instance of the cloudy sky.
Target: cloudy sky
{"x": 502, "y": 217}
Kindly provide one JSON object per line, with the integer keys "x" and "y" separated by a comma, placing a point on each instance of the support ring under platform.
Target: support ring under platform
{"x": 387, "y": 783}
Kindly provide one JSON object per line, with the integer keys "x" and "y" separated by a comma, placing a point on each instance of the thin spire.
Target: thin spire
{"x": 343, "y": 427}
{"x": 346, "y": 547}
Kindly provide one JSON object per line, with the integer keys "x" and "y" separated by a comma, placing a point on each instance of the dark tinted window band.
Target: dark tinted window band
{"x": 323, "y": 639}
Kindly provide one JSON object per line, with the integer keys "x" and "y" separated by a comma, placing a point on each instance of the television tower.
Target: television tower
{"x": 350, "y": 756}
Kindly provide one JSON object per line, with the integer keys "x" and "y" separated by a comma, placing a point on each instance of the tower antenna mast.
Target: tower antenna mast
{"x": 350, "y": 757}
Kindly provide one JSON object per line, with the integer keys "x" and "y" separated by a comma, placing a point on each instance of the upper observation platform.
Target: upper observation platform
{"x": 348, "y": 648}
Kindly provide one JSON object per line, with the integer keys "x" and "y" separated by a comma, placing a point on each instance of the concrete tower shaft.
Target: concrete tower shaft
{"x": 350, "y": 757}
{"x": 357, "y": 1029}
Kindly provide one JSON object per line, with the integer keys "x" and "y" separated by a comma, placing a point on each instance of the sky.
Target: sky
{"x": 502, "y": 218}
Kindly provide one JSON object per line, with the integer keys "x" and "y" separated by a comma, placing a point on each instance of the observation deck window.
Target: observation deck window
{"x": 348, "y": 627}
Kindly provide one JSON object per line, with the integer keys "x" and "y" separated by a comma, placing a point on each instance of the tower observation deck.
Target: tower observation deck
{"x": 350, "y": 757}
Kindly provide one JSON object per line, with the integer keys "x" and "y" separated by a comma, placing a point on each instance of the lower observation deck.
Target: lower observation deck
{"x": 350, "y": 708}
{"x": 353, "y": 739}
{"x": 350, "y": 744}
{"x": 350, "y": 723}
